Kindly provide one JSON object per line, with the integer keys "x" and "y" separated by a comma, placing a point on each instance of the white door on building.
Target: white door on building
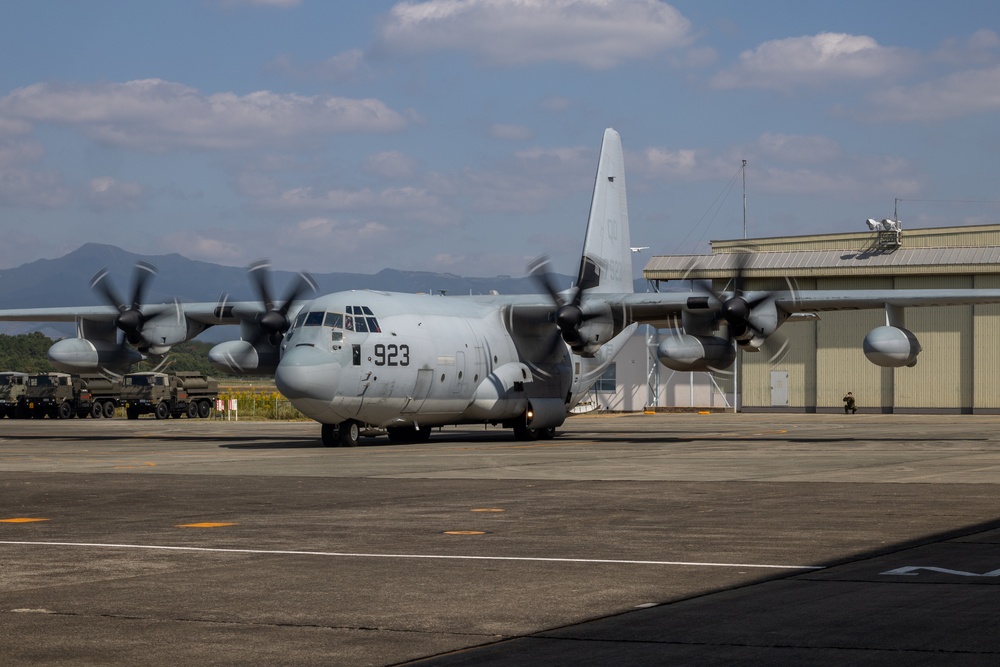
{"x": 779, "y": 388}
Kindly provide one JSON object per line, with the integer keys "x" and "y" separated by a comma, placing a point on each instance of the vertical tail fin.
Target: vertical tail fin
{"x": 606, "y": 265}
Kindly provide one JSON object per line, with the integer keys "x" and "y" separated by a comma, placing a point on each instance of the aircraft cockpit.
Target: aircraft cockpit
{"x": 358, "y": 319}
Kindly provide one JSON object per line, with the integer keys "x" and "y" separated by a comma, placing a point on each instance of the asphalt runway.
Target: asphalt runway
{"x": 634, "y": 539}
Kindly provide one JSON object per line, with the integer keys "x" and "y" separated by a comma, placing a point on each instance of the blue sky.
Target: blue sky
{"x": 462, "y": 135}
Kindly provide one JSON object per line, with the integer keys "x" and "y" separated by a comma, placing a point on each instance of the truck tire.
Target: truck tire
{"x": 204, "y": 409}
{"x": 65, "y": 410}
{"x": 162, "y": 410}
{"x": 95, "y": 411}
{"x": 192, "y": 410}
{"x": 109, "y": 409}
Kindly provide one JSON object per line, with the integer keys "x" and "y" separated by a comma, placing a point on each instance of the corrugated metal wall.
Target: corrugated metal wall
{"x": 986, "y": 350}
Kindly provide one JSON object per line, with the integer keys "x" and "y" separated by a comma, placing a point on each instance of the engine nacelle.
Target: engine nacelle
{"x": 81, "y": 355}
{"x": 892, "y": 347}
{"x": 684, "y": 352}
{"x": 241, "y": 358}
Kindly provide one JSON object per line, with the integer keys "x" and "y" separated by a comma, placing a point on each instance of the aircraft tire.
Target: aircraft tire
{"x": 349, "y": 433}
{"x": 162, "y": 410}
{"x": 109, "y": 409}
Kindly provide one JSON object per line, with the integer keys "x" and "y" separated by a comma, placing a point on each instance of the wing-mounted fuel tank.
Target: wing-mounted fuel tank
{"x": 686, "y": 352}
{"x": 892, "y": 345}
{"x": 242, "y": 357}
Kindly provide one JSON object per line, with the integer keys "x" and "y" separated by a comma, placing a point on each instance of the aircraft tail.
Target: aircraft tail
{"x": 606, "y": 265}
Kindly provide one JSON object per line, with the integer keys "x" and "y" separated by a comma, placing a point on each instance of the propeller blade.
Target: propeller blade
{"x": 273, "y": 321}
{"x": 102, "y": 286}
{"x": 141, "y": 275}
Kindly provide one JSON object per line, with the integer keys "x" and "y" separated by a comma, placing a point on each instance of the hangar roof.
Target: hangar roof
{"x": 956, "y": 251}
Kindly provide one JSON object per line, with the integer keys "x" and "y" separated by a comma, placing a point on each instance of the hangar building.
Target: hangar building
{"x": 958, "y": 370}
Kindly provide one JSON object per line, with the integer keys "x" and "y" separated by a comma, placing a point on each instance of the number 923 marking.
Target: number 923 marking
{"x": 392, "y": 355}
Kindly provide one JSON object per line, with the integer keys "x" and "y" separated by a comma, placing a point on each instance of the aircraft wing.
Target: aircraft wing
{"x": 203, "y": 313}
{"x": 659, "y": 308}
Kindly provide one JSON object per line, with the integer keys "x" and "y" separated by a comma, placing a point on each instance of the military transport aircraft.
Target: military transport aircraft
{"x": 409, "y": 362}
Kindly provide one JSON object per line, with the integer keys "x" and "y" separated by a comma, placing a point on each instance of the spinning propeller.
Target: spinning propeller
{"x": 273, "y": 322}
{"x": 130, "y": 317}
{"x": 568, "y": 315}
{"x": 737, "y": 310}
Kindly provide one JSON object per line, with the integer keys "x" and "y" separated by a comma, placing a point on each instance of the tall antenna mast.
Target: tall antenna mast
{"x": 744, "y": 200}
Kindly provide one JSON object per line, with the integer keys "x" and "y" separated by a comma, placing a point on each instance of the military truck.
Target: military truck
{"x": 12, "y": 395}
{"x": 169, "y": 395}
{"x": 63, "y": 395}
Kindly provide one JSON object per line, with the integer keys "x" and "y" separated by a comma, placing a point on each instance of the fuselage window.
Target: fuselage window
{"x": 315, "y": 318}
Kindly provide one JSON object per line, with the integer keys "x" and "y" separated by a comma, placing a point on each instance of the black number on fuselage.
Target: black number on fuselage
{"x": 392, "y": 355}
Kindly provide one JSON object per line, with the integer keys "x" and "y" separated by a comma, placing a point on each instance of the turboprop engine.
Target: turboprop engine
{"x": 892, "y": 347}
{"x": 684, "y": 352}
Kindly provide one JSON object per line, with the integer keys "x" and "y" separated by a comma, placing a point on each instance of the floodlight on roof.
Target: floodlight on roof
{"x": 873, "y": 224}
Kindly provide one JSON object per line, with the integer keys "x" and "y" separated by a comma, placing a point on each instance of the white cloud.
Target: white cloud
{"x": 346, "y": 66}
{"x": 598, "y": 34}
{"x": 785, "y": 165}
{"x": 22, "y": 183}
{"x": 105, "y": 193}
{"x": 390, "y": 164}
{"x": 798, "y": 148}
{"x": 157, "y": 115}
{"x": 980, "y": 48}
{"x": 956, "y": 95}
{"x": 813, "y": 60}
{"x": 511, "y": 132}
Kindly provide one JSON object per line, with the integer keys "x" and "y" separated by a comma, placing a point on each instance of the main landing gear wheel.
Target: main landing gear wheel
{"x": 349, "y": 433}
{"x": 341, "y": 435}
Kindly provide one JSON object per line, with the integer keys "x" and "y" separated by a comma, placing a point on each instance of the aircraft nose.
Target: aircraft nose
{"x": 307, "y": 373}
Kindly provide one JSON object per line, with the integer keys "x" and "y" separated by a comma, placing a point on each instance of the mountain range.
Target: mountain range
{"x": 65, "y": 281}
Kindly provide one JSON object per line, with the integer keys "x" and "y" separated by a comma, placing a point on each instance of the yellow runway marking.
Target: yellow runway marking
{"x": 206, "y": 524}
{"x": 22, "y": 520}
{"x": 465, "y": 532}
{"x": 488, "y": 509}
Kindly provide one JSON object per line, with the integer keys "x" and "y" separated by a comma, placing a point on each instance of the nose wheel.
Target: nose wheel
{"x": 345, "y": 434}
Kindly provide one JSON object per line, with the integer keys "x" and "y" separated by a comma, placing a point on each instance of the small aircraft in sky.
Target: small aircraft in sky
{"x": 409, "y": 362}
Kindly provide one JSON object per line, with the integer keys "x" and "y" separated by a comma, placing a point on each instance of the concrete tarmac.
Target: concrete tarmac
{"x": 634, "y": 539}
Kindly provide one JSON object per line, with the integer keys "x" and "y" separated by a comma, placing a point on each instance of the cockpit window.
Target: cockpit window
{"x": 299, "y": 319}
{"x": 372, "y": 324}
{"x": 335, "y": 320}
{"x": 315, "y": 318}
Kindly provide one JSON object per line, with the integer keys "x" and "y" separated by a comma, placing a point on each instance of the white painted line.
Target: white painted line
{"x": 339, "y": 554}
